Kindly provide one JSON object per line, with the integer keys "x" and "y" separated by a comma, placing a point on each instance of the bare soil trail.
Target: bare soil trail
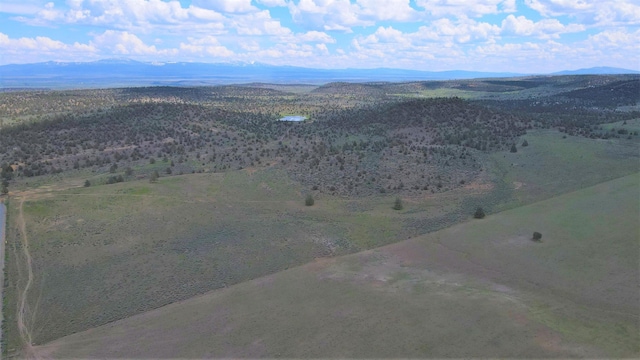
{"x": 3, "y": 225}
{"x": 23, "y": 308}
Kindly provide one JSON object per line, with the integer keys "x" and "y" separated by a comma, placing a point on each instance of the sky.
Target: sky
{"x": 525, "y": 36}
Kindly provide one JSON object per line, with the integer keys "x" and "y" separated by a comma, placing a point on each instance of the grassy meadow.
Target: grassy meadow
{"x": 481, "y": 288}
{"x": 553, "y": 164}
{"x": 103, "y": 253}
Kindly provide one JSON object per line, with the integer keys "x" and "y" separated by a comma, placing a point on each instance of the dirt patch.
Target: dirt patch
{"x": 408, "y": 253}
{"x": 516, "y": 240}
{"x": 479, "y": 186}
{"x": 250, "y": 170}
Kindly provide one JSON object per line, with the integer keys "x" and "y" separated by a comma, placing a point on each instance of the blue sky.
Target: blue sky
{"x": 485, "y": 35}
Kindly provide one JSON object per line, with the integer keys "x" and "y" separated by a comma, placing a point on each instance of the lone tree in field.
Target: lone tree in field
{"x": 525, "y": 143}
{"x": 537, "y": 236}
{"x": 397, "y": 205}
{"x": 514, "y": 148}
{"x": 479, "y": 214}
{"x": 308, "y": 201}
{"x": 154, "y": 177}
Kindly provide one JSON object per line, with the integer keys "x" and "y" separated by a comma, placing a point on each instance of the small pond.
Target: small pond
{"x": 293, "y": 118}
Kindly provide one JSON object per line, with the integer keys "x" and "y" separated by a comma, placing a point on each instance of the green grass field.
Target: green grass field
{"x": 552, "y": 165}
{"x": 482, "y": 288}
{"x": 630, "y": 125}
{"x": 105, "y": 253}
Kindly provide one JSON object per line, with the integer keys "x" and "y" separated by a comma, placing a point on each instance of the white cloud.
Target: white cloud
{"x": 168, "y": 17}
{"x": 616, "y": 39}
{"x": 323, "y": 48}
{"x": 462, "y": 31}
{"x": 607, "y": 48}
{"x": 464, "y": 8}
{"x": 21, "y": 7}
{"x": 120, "y": 14}
{"x": 482, "y": 34}
{"x": 592, "y": 12}
{"x": 546, "y": 28}
{"x": 560, "y": 7}
{"x": 250, "y": 46}
{"x": 123, "y": 43}
{"x": 272, "y": 3}
{"x": 389, "y": 47}
{"x": 384, "y": 10}
{"x": 327, "y": 14}
{"x": 387, "y": 35}
{"x": 211, "y": 16}
{"x": 206, "y": 46}
{"x": 346, "y": 14}
{"x": 342, "y": 15}
{"x": 42, "y": 48}
{"x": 227, "y": 6}
{"x": 316, "y": 36}
{"x": 258, "y": 23}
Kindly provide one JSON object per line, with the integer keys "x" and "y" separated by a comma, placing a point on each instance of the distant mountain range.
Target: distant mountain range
{"x": 601, "y": 70}
{"x": 125, "y": 72}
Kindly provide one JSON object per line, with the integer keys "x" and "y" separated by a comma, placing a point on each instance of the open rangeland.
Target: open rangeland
{"x": 482, "y": 288}
{"x": 128, "y": 202}
{"x": 104, "y": 253}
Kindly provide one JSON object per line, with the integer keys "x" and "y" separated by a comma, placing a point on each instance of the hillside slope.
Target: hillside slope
{"x": 481, "y": 289}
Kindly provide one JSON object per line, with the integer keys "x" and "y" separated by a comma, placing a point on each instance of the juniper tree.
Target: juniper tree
{"x": 397, "y": 205}
{"x": 309, "y": 201}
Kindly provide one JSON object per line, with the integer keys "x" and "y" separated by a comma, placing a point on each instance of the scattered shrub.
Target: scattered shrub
{"x": 479, "y": 214}
{"x": 154, "y": 177}
{"x": 309, "y": 201}
{"x": 537, "y": 236}
{"x": 397, "y": 205}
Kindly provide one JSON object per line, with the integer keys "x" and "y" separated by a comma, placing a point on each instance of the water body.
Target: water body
{"x": 293, "y": 118}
